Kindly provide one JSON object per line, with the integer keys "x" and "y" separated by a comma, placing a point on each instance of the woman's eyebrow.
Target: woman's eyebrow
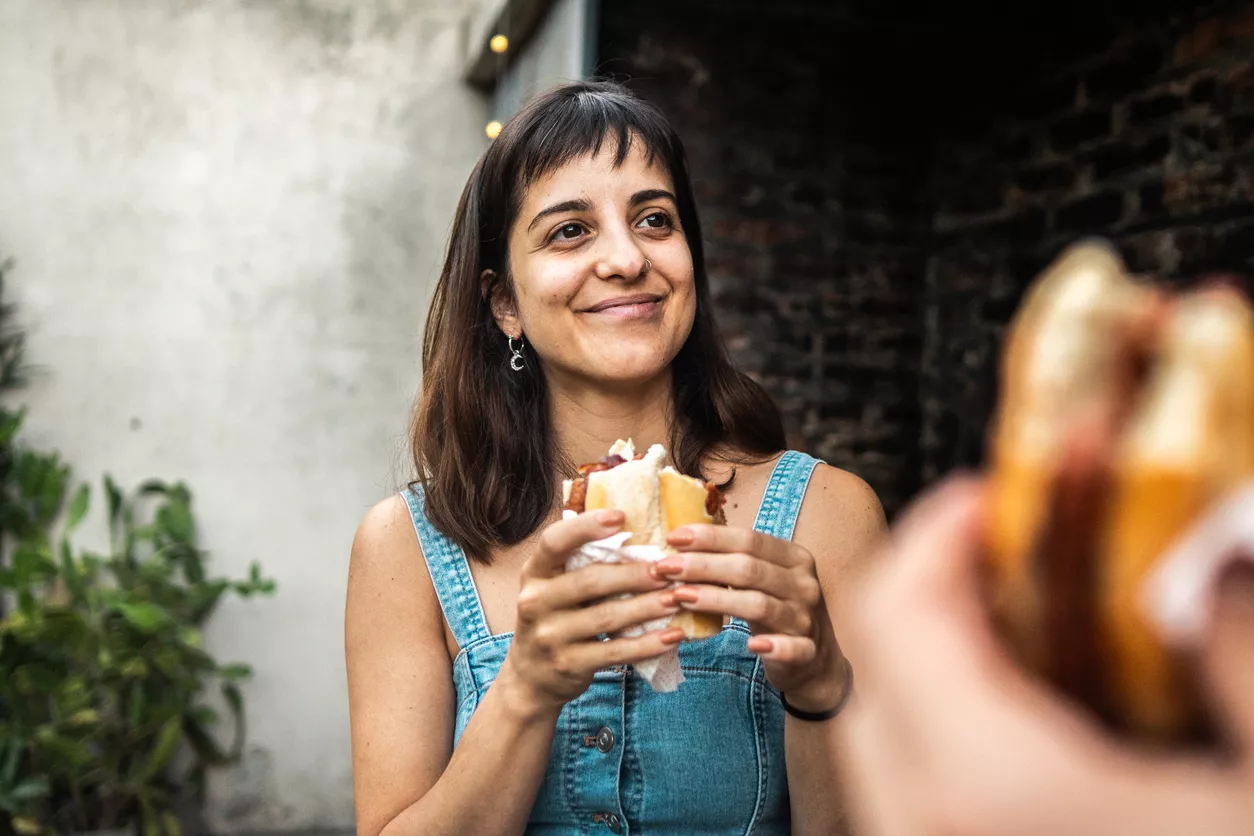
{"x": 651, "y": 194}
{"x": 580, "y": 205}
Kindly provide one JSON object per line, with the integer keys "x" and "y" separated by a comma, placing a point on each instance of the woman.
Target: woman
{"x": 573, "y": 309}
{"x": 950, "y": 737}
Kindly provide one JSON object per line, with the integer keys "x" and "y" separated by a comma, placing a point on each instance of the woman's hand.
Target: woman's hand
{"x": 948, "y": 735}
{"x": 771, "y": 584}
{"x": 555, "y": 650}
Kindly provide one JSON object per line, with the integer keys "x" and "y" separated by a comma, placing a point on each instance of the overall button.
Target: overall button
{"x": 610, "y": 820}
{"x": 605, "y": 739}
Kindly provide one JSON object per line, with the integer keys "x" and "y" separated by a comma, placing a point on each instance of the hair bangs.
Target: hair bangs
{"x": 585, "y": 123}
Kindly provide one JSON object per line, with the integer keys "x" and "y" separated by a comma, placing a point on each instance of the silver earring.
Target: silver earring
{"x": 516, "y": 358}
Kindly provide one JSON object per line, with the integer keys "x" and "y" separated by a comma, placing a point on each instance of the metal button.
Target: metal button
{"x": 610, "y": 820}
{"x": 605, "y": 739}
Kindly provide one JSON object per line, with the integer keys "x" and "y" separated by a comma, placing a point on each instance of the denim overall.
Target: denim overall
{"x": 705, "y": 759}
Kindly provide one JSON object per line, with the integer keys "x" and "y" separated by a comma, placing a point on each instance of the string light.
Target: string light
{"x": 499, "y": 44}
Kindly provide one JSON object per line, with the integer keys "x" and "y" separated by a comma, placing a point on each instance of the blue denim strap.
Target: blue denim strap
{"x": 781, "y": 502}
{"x": 450, "y": 574}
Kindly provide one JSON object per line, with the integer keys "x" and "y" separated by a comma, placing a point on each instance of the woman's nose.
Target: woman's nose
{"x": 619, "y": 257}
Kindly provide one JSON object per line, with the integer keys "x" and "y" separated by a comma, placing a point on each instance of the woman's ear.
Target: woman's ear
{"x": 501, "y": 299}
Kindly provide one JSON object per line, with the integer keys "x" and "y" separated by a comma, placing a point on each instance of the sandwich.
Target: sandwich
{"x": 655, "y": 499}
{"x": 1154, "y": 394}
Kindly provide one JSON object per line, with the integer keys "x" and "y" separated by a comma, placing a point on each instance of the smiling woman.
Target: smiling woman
{"x": 573, "y": 309}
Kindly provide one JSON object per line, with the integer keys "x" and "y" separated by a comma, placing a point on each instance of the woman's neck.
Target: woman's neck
{"x": 587, "y": 419}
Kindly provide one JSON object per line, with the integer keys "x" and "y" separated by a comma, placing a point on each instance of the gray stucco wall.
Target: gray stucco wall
{"x": 227, "y": 216}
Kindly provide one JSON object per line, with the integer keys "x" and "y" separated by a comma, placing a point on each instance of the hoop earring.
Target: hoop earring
{"x": 516, "y": 359}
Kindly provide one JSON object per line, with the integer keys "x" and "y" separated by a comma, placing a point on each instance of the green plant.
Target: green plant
{"x": 104, "y": 665}
{"x": 103, "y": 674}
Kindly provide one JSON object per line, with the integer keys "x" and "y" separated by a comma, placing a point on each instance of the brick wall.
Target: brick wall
{"x": 1148, "y": 140}
{"x": 874, "y": 203}
{"x": 813, "y": 219}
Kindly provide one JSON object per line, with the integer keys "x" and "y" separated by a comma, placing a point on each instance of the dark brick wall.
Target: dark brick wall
{"x": 874, "y": 202}
{"x": 1147, "y": 139}
{"x": 813, "y": 218}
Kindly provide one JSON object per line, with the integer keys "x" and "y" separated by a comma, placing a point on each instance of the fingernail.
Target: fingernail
{"x": 668, "y": 566}
{"x": 757, "y": 644}
{"x": 609, "y": 517}
{"x": 687, "y": 596}
{"x": 680, "y": 537}
{"x": 667, "y": 599}
{"x": 672, "y": 636}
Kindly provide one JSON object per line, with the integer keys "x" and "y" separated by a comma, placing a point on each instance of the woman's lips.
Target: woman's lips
{"x": 631, "y": 310}
{"x": 628, "y": 307}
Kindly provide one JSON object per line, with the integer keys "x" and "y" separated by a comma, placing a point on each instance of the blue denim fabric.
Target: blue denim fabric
{"x": 706, "y": 759}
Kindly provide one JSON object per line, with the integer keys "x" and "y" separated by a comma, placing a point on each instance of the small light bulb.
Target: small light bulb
{"x": 492, "y": 129}
{"x": 498, "y": 44}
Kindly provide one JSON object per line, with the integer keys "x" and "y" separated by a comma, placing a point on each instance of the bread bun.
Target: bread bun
{"x": 1163, "y": 391}
{"x": 655, "y": 500}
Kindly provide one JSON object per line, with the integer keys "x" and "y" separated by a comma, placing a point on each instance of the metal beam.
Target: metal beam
{"x": 518, "y": 20}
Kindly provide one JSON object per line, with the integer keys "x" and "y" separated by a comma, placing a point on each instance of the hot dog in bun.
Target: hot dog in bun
{"x": 656, "y": 499}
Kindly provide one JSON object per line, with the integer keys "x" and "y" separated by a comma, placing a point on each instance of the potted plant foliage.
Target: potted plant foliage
{"x": 103, "y": 675}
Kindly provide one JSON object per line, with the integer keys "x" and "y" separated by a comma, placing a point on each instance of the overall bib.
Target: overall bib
{"x": 706, "y": 759}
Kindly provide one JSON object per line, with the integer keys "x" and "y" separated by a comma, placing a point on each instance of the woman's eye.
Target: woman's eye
{"x": 657, "y": 220}
{"x": 568, "y": 232}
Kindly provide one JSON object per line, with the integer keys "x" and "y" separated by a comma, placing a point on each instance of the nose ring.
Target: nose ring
{"x": 648, "y": 265}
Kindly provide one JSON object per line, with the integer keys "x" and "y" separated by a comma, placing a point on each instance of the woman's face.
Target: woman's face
{"x": 586, "y": 300}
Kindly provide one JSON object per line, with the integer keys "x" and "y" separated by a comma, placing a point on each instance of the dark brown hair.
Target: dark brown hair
{"x": 482, "y": 446}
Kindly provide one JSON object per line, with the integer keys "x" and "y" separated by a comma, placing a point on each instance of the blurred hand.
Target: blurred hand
{"x": 947, "y": 735}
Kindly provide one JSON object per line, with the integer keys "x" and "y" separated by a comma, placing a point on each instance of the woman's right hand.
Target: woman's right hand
{"x": 556, "y": 649}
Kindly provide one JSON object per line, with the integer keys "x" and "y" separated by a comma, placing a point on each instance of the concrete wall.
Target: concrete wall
{"x": 227, "y": 217}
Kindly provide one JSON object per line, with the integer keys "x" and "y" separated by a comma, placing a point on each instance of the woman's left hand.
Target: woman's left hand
{"x": 771, "y": 584}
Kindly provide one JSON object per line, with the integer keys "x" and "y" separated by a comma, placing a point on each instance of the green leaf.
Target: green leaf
{"x": 29, "y": 790}
{"x": 167, "y": 741}
{"x": 172, "y": 826}
{"x": 138, "y": 703}
{"x": 145, "y": 617}
{"x": 149, "y": 817}
{"x": 153, "y": 486}
{"x": 135, "y": 668}
{"x": 85, "y": 717}
{"x": 70, "y": 571}
{"x": 176, "y": 519}
{"x": 8, "y": 772}
{"x": 26, "y": 826}
{"x": 78, "y": 507}
{"x": 204, "y": 715}
{"x": 235, "y": 672}
{"x": 113, "y": 496}
{"x": 73, "y": 752}
{"x": 207, "y": 749}
{"x": 235, "y": 700}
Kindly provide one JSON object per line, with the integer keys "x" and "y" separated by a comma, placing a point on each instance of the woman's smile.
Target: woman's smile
{"x": 637, "y": 306}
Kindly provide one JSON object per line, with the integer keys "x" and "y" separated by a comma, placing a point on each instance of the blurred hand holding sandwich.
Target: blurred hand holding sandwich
{"x": 1126, "y": 414}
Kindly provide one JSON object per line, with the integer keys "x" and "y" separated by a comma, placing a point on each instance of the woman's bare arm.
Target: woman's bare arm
{"x": 841, "y": 523}
{"x": 408, "y": 780}
{"x": 401, "y": 704}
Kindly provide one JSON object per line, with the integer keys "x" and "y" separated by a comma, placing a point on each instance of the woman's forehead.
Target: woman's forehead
{"x": 599, "y": 174}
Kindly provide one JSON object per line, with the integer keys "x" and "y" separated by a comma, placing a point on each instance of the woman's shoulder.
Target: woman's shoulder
{"x": 842, "y": 519}
{"x": 386, "y": 553}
